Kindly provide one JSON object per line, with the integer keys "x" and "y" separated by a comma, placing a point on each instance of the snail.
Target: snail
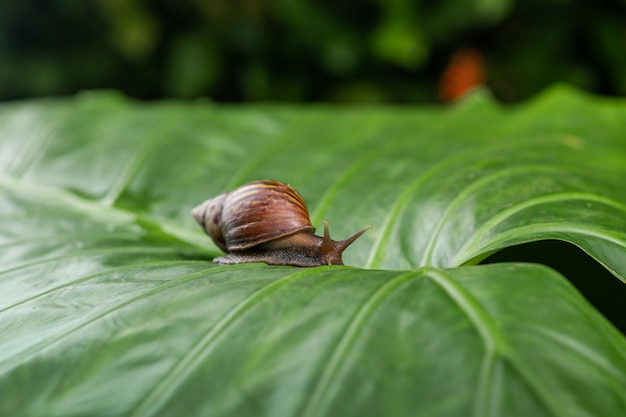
{"x": 268, "y": 221}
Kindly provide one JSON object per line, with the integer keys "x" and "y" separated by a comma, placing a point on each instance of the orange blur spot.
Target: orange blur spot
{"x": 465, "y": 71}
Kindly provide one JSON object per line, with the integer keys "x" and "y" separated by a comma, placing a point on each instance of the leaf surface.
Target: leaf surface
{"x": 109, "y": 304}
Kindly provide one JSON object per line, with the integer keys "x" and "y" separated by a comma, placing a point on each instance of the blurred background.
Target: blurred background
{"x": 367, "y": 51}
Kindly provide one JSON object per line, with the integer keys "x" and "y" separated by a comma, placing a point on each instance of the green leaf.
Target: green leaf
{"x": 110, "y": 305}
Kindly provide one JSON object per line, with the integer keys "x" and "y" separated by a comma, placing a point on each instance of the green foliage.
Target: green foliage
{"x": 110, "y": 306}
{"x": 306, "y": 50}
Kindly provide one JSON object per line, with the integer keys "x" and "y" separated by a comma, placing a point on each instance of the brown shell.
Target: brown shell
{"x": 208, "y": 214}
{"x": 259, "y": 212}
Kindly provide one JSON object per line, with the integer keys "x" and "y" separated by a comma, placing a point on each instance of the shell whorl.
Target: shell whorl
{"x": 255, "y": 213}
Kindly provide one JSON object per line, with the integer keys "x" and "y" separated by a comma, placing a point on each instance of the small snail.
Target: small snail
{"x": 268, "y": 221}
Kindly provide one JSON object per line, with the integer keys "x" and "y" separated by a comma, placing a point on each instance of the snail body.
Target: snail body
{"x": 268, "y": 221}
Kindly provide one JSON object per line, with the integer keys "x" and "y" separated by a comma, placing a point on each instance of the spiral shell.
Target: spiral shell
{"x": 268, "y": 221}
{"x": 252, "y": 214}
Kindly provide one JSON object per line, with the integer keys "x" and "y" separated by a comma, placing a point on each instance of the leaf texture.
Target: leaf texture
{"x": 109, "y": 304}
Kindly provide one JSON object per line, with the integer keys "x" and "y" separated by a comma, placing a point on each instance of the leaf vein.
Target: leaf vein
{"x": 493, "y": 338}
{"x": 356, "y": 323}
{"x": 463, "y": 253}
{"x": 583, "y": 351}
{"x": 96, "y": 251}
{"x": 95, "y": 276}
{"x": 133, "y": 163}
{"x": 399, "y": 205}
{"x": 467, "y": 192}
{"x": 23, "y": 356}
{"x": 168, "y": 383}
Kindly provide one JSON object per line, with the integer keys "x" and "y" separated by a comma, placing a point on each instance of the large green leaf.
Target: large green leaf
{"x": 109, "y": 304}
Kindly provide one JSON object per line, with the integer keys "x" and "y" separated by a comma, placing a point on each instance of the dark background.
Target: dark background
{"x": 394, "y": 51}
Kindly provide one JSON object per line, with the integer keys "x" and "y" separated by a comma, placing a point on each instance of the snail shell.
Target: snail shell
{"x": 268, "y": 221}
